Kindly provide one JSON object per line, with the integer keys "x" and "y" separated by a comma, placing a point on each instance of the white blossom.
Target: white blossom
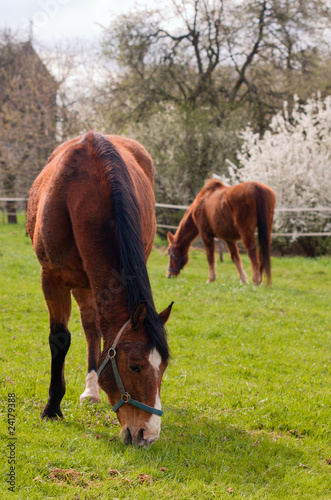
{"x": 294, "y": 159}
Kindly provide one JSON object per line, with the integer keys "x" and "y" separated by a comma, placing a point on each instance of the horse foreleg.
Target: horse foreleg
{"x": 58, "y": 301}
{"x": 209, "y": 243}
{"x": 235, "y": 256}
{"x": 88, "y": 317}
{"x": 250, "y": 246}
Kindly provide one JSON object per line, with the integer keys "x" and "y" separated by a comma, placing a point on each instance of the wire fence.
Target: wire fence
{"x": 185, "y": 207}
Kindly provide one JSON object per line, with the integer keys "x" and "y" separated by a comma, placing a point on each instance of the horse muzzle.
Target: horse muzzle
{"x": 171, "y": 274}
{"x": 138, "y": 438}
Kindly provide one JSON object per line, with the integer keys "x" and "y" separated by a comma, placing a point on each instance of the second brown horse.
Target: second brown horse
{"x": 230, "y": 213}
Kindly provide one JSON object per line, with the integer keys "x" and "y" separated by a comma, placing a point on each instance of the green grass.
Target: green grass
{"x": 246, "y": 395}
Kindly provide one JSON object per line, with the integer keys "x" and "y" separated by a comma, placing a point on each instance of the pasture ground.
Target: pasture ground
{"x": 246, "y": 395}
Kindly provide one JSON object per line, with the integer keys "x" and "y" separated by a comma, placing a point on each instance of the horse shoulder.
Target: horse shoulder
{"x": 62, "y": 148}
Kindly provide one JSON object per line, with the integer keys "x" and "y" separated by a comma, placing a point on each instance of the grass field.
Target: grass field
{"x": 246, "y": 395}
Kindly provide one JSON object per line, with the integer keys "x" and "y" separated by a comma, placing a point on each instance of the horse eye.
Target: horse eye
{"x": 134, "y": 368}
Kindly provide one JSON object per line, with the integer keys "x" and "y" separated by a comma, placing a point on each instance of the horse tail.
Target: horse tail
{"x": 263, "y": 231}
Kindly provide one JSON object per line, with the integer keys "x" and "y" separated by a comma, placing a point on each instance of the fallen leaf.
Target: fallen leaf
{"x": 163, "y": 469}
{"x": 113, "y": 472}
{"x": 145, "y": 478}
{"x": 127, "y": 481}
{"x": 70, "y": 476}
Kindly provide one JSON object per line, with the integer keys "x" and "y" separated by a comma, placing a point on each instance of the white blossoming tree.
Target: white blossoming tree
{"x": 294, "y": 159}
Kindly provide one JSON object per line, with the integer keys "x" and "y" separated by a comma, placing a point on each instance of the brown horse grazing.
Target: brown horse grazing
{"x": 92, "y": 223}
{"x": 230, "y": 213}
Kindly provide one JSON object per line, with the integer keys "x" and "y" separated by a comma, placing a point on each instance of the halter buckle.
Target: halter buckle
{"x": 126, "y": 397}
{"x": 111, "y": 352}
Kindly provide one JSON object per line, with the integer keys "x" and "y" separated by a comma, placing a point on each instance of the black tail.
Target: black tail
{"x": 263, "y": 232}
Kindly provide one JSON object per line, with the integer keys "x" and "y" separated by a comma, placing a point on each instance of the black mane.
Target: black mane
{"x": 131, "y": 251}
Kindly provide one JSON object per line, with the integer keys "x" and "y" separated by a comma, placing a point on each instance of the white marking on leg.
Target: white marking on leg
{"x": 92, "y": 388}
{"x": 243, "y": 278}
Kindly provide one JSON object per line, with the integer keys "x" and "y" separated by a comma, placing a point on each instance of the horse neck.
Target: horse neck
{"x": 186, "y": 231}
{"x": 112, "y": 309}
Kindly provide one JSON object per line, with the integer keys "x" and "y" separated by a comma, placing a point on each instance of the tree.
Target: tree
{"x": 294, "y": 159}
{"x": 210, "y": 52}
{"x": 27, "y": 117}
{"x": 185, "y": 79}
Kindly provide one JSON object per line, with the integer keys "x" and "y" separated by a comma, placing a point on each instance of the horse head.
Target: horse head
{"x": 177, "y": 259}
{"x": 132, "y": 379}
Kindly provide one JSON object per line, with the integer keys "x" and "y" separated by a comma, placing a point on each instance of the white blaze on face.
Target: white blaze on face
{"x": 155, "y": 359}
{"x": 153, "y": 425}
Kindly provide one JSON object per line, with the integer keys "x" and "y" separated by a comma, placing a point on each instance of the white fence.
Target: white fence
{"x": 290, "y": 235}
{"x": 185, "y": 207}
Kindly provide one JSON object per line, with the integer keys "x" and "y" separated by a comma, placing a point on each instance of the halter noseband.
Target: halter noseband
{"x": 173, "y": 256}
{"x": 126, "y": 398}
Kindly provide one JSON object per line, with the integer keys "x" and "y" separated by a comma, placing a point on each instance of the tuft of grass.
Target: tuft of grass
{"x": 246, "y": 395}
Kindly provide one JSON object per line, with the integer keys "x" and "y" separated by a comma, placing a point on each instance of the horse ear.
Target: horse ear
{"x": 138, "y": 315}
{"x": 164, "y": 315}
{"x": 170, "y": 237}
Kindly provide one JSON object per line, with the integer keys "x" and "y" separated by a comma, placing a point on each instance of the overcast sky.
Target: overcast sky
{"x": 55, "y": 20}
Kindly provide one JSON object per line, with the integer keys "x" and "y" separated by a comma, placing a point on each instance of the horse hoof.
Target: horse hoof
{"x": 52, "y": 414}
{"x": 89, "y": 399}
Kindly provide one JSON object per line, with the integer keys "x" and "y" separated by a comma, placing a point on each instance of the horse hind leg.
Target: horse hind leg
{"x": 93, "y": 339}
{"x": 209, "y": 243}
{"x": 58, "y": 300}
{"x": 235, "y": 256}
{"x": 250, "y": 246}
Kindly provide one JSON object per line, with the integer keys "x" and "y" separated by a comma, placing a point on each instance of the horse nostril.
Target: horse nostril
{"x": 141, "y": 434}
{"x": 127, "y": 436}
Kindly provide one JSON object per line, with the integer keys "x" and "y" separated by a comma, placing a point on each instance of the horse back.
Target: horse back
{"x": 245, "y": 197}
{"x": 246, "y": 203}
{"x": 70, "y": 212}
{"x": 224, "y": 210}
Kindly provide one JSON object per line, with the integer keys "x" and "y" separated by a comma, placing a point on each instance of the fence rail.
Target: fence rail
{"x": 185, "y": 207}
{"x": 299, "y": 209}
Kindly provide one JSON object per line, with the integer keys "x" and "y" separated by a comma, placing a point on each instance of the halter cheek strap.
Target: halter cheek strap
{"x": 175, "y": 258}
{"x": 125, "y": 396}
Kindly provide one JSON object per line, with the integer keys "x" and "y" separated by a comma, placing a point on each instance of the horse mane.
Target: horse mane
{"x": 129, "y": 234}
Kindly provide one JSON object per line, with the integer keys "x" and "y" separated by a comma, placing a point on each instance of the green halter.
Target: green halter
{"x": 126, "y": 398}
